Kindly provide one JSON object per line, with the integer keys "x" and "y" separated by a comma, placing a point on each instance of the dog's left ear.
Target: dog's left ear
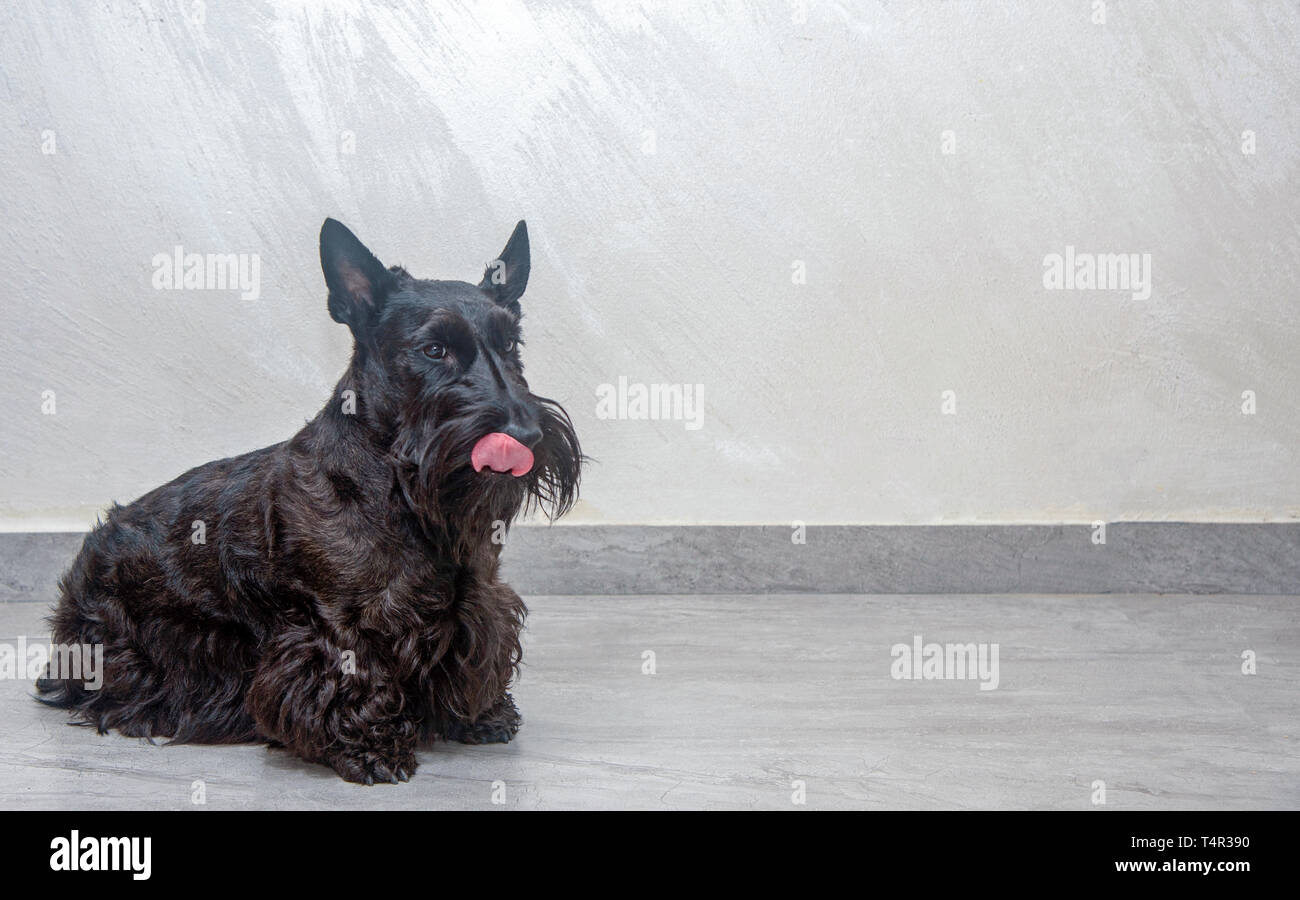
{"x": 358, "y": 283}
{"x": 507, "y": 275}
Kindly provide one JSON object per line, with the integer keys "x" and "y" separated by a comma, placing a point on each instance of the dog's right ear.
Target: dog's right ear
{"x": 357, "y": 281}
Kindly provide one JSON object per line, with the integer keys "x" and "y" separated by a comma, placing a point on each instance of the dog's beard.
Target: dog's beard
{"x": 462, "y": 509}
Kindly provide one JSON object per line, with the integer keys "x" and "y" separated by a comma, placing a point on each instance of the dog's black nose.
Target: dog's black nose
{"x": 528, "y": 434}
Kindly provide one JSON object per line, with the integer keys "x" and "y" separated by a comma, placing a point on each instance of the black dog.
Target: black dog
{"x": 337, "y": 593}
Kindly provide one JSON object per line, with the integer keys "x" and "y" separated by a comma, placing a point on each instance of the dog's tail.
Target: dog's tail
{"x": 59, "y": 693}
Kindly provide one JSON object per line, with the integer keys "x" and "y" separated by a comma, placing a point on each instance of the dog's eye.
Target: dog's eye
{"x": 435, "y": 351}
{"x": 509, "y": 347}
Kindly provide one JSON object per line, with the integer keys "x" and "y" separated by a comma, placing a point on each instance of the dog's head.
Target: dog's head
{"x": 440, "y": 382}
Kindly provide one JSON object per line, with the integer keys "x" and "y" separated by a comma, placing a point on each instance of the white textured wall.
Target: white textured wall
{"x": 774, "y": 140}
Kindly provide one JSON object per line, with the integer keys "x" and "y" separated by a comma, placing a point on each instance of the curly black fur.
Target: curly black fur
{"x": 344, "y": 602}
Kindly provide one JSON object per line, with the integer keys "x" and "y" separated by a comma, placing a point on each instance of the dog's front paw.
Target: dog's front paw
{"x": 497, "y": 726}
{"x": 365, "y": 766}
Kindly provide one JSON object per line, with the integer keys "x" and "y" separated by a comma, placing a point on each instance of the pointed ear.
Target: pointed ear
{"x": 507, "y": 275}
{"x": 358, "y": 283}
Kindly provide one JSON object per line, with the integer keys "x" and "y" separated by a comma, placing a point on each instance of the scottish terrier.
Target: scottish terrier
{"x": 337, "y": 594}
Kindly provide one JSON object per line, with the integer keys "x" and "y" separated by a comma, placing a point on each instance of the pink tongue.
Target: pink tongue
{"x": 501, "y": 453}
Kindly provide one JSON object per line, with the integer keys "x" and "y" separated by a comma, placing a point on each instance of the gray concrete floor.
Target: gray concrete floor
{"x": 754, "y": 693}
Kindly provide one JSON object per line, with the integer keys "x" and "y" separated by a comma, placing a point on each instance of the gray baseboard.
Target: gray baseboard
{"x": 1138, "y": 557}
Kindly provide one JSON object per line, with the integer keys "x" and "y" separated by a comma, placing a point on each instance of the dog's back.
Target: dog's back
{"x": 160, "y": 595}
